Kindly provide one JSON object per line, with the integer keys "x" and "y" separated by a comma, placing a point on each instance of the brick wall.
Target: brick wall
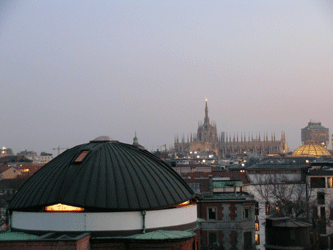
{"x": 82, "y": 244}
{"x": 186, "y": 244}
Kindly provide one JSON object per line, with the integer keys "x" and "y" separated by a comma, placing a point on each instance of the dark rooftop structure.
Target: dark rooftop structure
{"x": 104, "y": 175}
{"x": 103, "y": 194}
{"x": 287, "y": 233}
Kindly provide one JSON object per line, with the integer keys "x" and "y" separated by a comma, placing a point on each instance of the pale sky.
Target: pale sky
{"x": 74, "y": 70}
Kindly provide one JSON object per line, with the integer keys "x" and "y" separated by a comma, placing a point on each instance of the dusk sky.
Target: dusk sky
{"x": 71, "y": 71}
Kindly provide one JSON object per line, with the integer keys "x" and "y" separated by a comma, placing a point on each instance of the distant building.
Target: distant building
{"x": 14, "y": 160}
{"x": 45, "y": 157}
{"x": 28, "y": 170}
{"x": 207, "y": 139}
{"x": 315, "y": 132}
{"x": 136, "y": 142}
{"x": 6, "y": 152}
{"x": 9, "y": 173}
{"x": 31, "y": 155}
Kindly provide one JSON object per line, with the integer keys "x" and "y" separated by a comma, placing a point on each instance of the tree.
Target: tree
{"x": 287, "y": 197}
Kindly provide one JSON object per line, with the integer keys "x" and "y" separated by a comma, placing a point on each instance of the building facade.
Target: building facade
{"x": 229, "y": 215}
{"x": 207, "y": 139}
{"x": 315, "y": 132}
{"x": 279, "y": 187}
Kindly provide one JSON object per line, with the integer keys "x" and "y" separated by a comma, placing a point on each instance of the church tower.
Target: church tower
{"x": 135, "y": 140}
{"x": 207, "y": 132}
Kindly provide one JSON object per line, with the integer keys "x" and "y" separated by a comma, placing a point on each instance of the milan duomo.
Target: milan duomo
{"x": 224, "y": 145}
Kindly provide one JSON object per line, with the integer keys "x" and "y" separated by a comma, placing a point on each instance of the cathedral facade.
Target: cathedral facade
{"x": 207, "y": 139}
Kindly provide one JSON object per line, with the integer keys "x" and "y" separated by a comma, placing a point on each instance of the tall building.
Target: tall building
{"x": 315, "y": 132}
{"x": 207, "y": 139}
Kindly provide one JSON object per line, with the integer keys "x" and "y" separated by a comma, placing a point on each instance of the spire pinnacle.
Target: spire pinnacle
{"x": 206, "y": 121}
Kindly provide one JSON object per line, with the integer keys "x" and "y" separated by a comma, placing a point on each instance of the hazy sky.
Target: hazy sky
{"x": 74, "y": 70}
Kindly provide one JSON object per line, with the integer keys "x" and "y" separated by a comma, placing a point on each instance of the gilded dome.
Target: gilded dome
{"x": 310, "y": 148}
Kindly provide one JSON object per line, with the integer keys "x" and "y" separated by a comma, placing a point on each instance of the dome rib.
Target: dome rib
{"x": 112, "y": 177}
{"x": 167, "y": 172}
{"x": 166, "y": 181}
{"x": 126, "y": 178}
{"x": 155, "y": 181}
{"x": 147, "y": 190}
{"x": 136, "y": 181}
{"x": 111, "y": 182}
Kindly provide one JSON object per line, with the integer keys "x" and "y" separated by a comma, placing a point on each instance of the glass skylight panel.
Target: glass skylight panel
{"x": 81, "y": 156}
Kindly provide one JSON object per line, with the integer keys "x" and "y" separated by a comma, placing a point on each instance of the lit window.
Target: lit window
{"x": 81, "y": 156}
{"x": 256, "y": 224}
{"x": 330, "y": 182}
{"x": 268, "y": 208}
{"x": 63, "y": 208}
{"x": 257, "y": 239}
{"x": 277, "y": 207}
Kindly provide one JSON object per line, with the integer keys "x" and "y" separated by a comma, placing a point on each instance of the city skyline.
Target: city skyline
{"x": 73, "y": 71}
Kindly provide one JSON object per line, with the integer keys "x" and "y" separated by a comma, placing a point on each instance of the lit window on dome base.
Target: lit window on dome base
{"x": 63, "y": 208}
{"x": 183, "y": 204}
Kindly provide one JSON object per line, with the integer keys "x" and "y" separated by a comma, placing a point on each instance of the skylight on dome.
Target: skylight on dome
{"x": 81, "y": 156}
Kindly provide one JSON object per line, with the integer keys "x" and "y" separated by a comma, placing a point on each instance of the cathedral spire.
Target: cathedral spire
{"x": 206, "y": 121}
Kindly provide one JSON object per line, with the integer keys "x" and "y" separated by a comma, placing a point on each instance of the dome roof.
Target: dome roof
{"x": 104, "y": 175}
{"x": 310, "y": 149}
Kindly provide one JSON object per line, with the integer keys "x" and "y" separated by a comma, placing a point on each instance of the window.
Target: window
{"x": 212, "y": 213}
{"x": 212, "y": 237}
{"x": 195, "y": 187}
{"x": 268, "y": 208}
{"x": 331, "y": 211}
{"x": 257, "y": 239}
{"x": 292, "y": 234}
{"x": 81, "y": 156}
{"x": 317, "y": 182}
{"x": 246, "y": 213}
{"x": 257, "y": 209}
{"x": 321, "y": 198}
{"x": 247, "y": 241}
{"x": 322, "y": 213}
{"x": 277, "y": 208}
{"x": 63, "y": 208}
{"x": 256, "y": 224}
{"x": 330, "y": 182}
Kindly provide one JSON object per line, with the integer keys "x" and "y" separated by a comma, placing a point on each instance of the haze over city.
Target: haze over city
{"x": 72, "y": 71}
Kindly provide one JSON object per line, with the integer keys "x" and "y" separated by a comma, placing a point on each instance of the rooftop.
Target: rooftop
{"x": 104, "y": 175}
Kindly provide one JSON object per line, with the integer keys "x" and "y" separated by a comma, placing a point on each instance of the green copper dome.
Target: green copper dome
{"x": 103, "y": 175}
